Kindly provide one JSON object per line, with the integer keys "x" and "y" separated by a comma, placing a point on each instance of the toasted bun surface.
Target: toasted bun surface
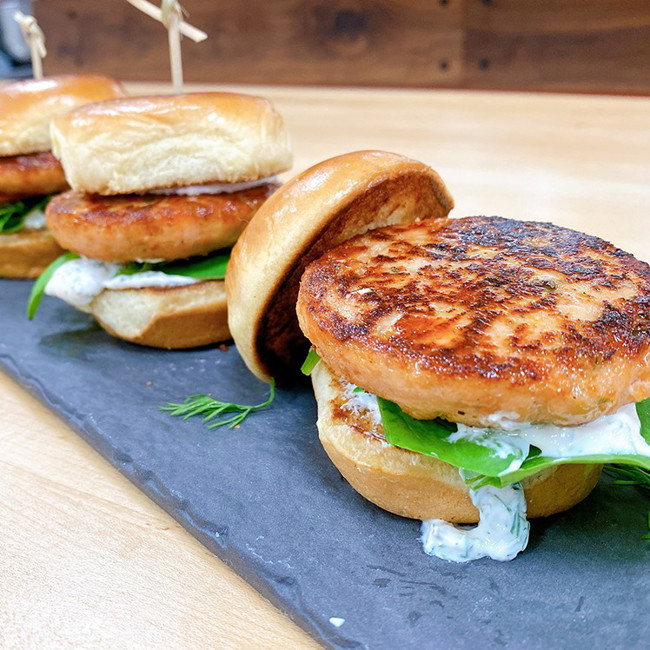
{"x": 26, "y": 253}
{"x": 143, "y": 143}
{"x": 418, "y": 486}
{"x": 185, "y": 316}
{"x": 31, "y": 175}
{"x": 28, "y": 107}
{"x": 467, "y": 318}
{"x": 315, "y": 211}
{"x": 126, "y": 228}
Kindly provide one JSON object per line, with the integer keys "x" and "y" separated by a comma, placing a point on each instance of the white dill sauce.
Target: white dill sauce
{"x": 213, "y": 188}
{"x": 34, "y": 219}
{"x": 502, "y": 531}
{"x": 501, "y": 534}
{"x": 78, "y": 282}
{"x": 618, "y": 433}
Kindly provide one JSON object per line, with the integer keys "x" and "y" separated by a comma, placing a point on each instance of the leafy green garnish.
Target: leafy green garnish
{"x": 488, "y": 464}
{"x": 13, "y": 215}
{"x": 38, "y": 289}
{"x": 210, "y": 408}
{"x": 310, "y": 362}
{"x": 431, "y": 438}
{"x": 212, "y": 267}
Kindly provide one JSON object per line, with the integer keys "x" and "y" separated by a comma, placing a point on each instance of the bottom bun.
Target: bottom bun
{"x": 26, "y": 254}
{"x": 418, "y": 486}
{"x": 185, "y": 316}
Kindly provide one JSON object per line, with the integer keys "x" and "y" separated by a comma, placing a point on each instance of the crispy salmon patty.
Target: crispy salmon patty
{"x": 130, "y": 227}
{"x": 482, "y": 319}
{"x": 31, "y": 175}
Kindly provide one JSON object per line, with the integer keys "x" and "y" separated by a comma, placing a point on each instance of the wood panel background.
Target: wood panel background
{"x": 580, "y": 45}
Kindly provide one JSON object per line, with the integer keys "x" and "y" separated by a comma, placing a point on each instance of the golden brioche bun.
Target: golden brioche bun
{"x": 27, "y": 108}
{"x": 318, "y": 209}
{"x": 143, "y": 143}
{"x": 26, "y": 253}
{"x": 418, "y": 486}
{"x": 177, "y": 317}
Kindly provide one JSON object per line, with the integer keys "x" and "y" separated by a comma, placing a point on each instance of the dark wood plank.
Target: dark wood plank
{"x": 355, "y": 42}
{"x": 578, "y": 45}
{"x": 595, "y": 45}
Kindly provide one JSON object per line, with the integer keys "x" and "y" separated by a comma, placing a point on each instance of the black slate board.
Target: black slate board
{"x": 266, "y": 500}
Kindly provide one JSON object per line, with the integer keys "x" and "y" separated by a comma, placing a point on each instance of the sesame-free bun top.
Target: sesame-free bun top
{"x": 144, "y": 143}
{"x": 317, "y": 210}
{"x": 27, "y": 108}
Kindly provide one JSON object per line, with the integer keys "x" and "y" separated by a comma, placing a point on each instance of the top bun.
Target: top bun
{"x": 28, "y": 107}
{"x": 144, "y": 143}
{"x": 315, "y": 211}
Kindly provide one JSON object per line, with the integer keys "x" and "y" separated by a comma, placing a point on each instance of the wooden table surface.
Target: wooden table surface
{"x": 86, "y": 560}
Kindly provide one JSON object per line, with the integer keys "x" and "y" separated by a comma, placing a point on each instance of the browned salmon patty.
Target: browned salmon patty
{"x": 151, "y": 227}
{"x": 31, "y": 175}
{"x": 483, "y": 318}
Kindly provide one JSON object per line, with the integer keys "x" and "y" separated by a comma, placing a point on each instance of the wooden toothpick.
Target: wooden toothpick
{"x": 34, "y": 37}
{"x": 172, "y": 17}
{"x": 170, "y": 14}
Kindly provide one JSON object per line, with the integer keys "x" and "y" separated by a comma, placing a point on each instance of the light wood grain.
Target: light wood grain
{"x": 87, "y": 561}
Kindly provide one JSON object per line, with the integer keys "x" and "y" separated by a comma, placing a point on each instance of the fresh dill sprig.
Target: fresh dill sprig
{"x": 629, "y": 475}
{"x": 210, "y": 408}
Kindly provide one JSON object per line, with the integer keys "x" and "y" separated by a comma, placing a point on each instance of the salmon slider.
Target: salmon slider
{"x": 475, "y": 371}
{"x": 162, "y": 187}
{"x": 29, "y": 173}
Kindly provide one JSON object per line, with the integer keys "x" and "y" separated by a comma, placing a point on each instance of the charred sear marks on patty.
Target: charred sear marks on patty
{"x": 151, "y": 226}
{"x": 483, "y": 295}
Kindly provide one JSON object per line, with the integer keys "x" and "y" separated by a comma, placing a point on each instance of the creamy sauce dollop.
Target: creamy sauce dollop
{"x": 618, "y": 433}
{"x": 35, "y": 219}
{"x": 214, "y": 188}
{"x": 78, "y": 282}
{"x": 502, "y": 531}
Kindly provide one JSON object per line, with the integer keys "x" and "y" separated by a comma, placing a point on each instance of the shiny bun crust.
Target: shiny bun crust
{"x": 28, "y": 107}
{"x": 142, "y": 143}
{"x": 315, "y": 211}
{"x": 26, "y": 254}
{"x": 420, "y": 487}
{"x": 185, "y": 316}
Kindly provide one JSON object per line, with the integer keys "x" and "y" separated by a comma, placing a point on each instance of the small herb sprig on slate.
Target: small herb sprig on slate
{"x": 210, "y": 408}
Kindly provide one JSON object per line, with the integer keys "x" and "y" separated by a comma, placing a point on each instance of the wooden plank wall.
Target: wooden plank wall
{"x": 577, "y": 45}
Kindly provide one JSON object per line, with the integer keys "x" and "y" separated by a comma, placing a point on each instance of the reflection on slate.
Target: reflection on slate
{"x": 266, "y": 500}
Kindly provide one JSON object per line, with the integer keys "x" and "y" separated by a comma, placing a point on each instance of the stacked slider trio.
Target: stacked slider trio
{"x": 29, "y": 174}
{"x": 161, "y": 189}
